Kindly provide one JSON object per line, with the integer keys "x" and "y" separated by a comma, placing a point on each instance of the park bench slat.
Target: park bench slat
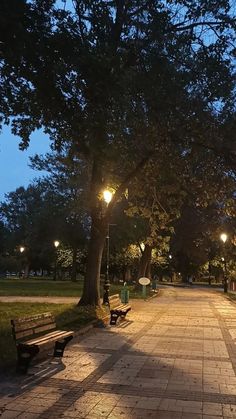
{"x": 49, "y": 337}
{"x": 32, "y": 321}
{"x": 30, "y": 335}
{"x": 117, "y": 309}
{"x": 34, "y": 331}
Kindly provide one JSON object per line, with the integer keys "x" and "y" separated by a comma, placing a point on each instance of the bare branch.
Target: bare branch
{"x": 121, "y": 189}
{"x": 179, "y": 27}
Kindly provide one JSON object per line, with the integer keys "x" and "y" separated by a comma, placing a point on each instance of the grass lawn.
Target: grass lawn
{"x": 38, "y": 287}
{"x": 68, "y": 316}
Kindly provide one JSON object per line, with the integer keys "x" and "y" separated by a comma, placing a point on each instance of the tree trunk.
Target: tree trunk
{"x": 144, "y": 261}
{"x": 148, "y": 273}
{"x": 74, "y": 265}
{"x": 26, "y": 271}
{"x": 91, "y": 289}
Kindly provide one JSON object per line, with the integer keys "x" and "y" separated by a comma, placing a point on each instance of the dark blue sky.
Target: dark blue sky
{"x": 14, "y": 170}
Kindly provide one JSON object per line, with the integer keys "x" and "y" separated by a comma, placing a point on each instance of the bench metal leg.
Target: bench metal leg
{"x": 25, "y": 357}
{"x": 114, "y": 318}
{"x": 60, "y": 346}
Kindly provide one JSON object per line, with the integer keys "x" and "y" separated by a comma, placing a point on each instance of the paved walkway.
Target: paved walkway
{"x": 174, "y": 358}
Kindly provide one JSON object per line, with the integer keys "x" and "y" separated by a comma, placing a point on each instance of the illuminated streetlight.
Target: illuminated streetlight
{"x": 224, "y": 238}
{"x": 22, "y": 249}
{"x": 56, "y": 244}
{"x": 142, "y": 246}
{"x": 171, "y": 267}
{"x": 107, "y": 195}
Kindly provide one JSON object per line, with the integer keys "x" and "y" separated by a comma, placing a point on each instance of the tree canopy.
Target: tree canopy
{"x": 114, "y": 81}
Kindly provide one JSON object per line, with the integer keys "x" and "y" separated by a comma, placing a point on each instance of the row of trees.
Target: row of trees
{"x": 155, "y": 233}
{"x": 139, "y": 95}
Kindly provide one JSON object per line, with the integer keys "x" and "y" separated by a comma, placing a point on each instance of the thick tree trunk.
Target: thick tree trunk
{"x": 148, "y": 273}
{"x": 91, "y": 289}
{"x": 74, "y": 265}
{"x": 26, "y": 270}
{"x": 145, "y": 261}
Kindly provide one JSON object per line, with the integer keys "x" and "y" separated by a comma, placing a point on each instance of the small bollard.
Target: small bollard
{"x": 124, "y": 294}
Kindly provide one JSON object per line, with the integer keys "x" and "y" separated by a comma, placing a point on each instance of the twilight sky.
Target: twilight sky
{"x": 14, "y": 170}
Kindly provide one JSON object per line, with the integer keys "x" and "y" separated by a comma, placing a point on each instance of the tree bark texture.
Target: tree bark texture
{"x": 145, "y": 261}
{"x": 91, "y": 290}
{"x": 99, "y": 221}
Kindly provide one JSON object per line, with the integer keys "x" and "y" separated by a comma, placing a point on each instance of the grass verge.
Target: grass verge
{"x": 43, "y": 288}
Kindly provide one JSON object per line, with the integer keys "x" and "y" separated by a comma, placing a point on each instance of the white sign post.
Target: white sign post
{"x": 144, "y": 282}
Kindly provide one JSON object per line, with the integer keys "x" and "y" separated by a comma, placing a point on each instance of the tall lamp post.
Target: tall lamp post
{"x": 107, "y": 195}
{"x": 22, "y": 249}
{"x": 56, "y": 244}
{"x": 224, "y": 238}
{"x": 170, "y": 265}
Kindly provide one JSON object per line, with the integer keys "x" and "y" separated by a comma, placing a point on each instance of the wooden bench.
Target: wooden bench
{"x": 34, "y": 334}
{"x": 117, "y": 308}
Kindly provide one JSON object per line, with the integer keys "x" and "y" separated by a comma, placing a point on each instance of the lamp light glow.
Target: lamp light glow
{"x": 107, "y": 195}
{"x": 56, "y": 243}
{"x": 223, "y": 237}
{"x": 22, "y": 249}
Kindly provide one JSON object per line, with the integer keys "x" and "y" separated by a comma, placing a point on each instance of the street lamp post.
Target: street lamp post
{"x": 170, "y": 265}
{"x": 107, "y": 195}
{"x": 224, "y": 238}
{"x": 22, "y": 249}
{"x": 56, "y": 244}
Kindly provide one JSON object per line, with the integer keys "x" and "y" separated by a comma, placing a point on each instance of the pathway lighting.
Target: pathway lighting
{"x": 224, "y": 238}
{"x": 56, "y": 244}
{"x": 142, "y": 245}
{"x": 107, "y": 196}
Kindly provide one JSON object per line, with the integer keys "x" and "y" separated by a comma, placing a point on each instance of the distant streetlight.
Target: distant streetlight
{"x": 56, "y": 244}
{"x": 224, "y": 238}
{"x": 107, "y": 196}
{"x": 170, "y": 267}
{"x": 142, "y": 246}
{"x": 22, "y": 249}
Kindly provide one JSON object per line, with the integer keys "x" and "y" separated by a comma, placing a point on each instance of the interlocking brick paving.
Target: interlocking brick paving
{"x": 174, "y": 357}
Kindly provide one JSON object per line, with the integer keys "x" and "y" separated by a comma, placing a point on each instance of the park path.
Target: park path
{"x": 174, "y": 357}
